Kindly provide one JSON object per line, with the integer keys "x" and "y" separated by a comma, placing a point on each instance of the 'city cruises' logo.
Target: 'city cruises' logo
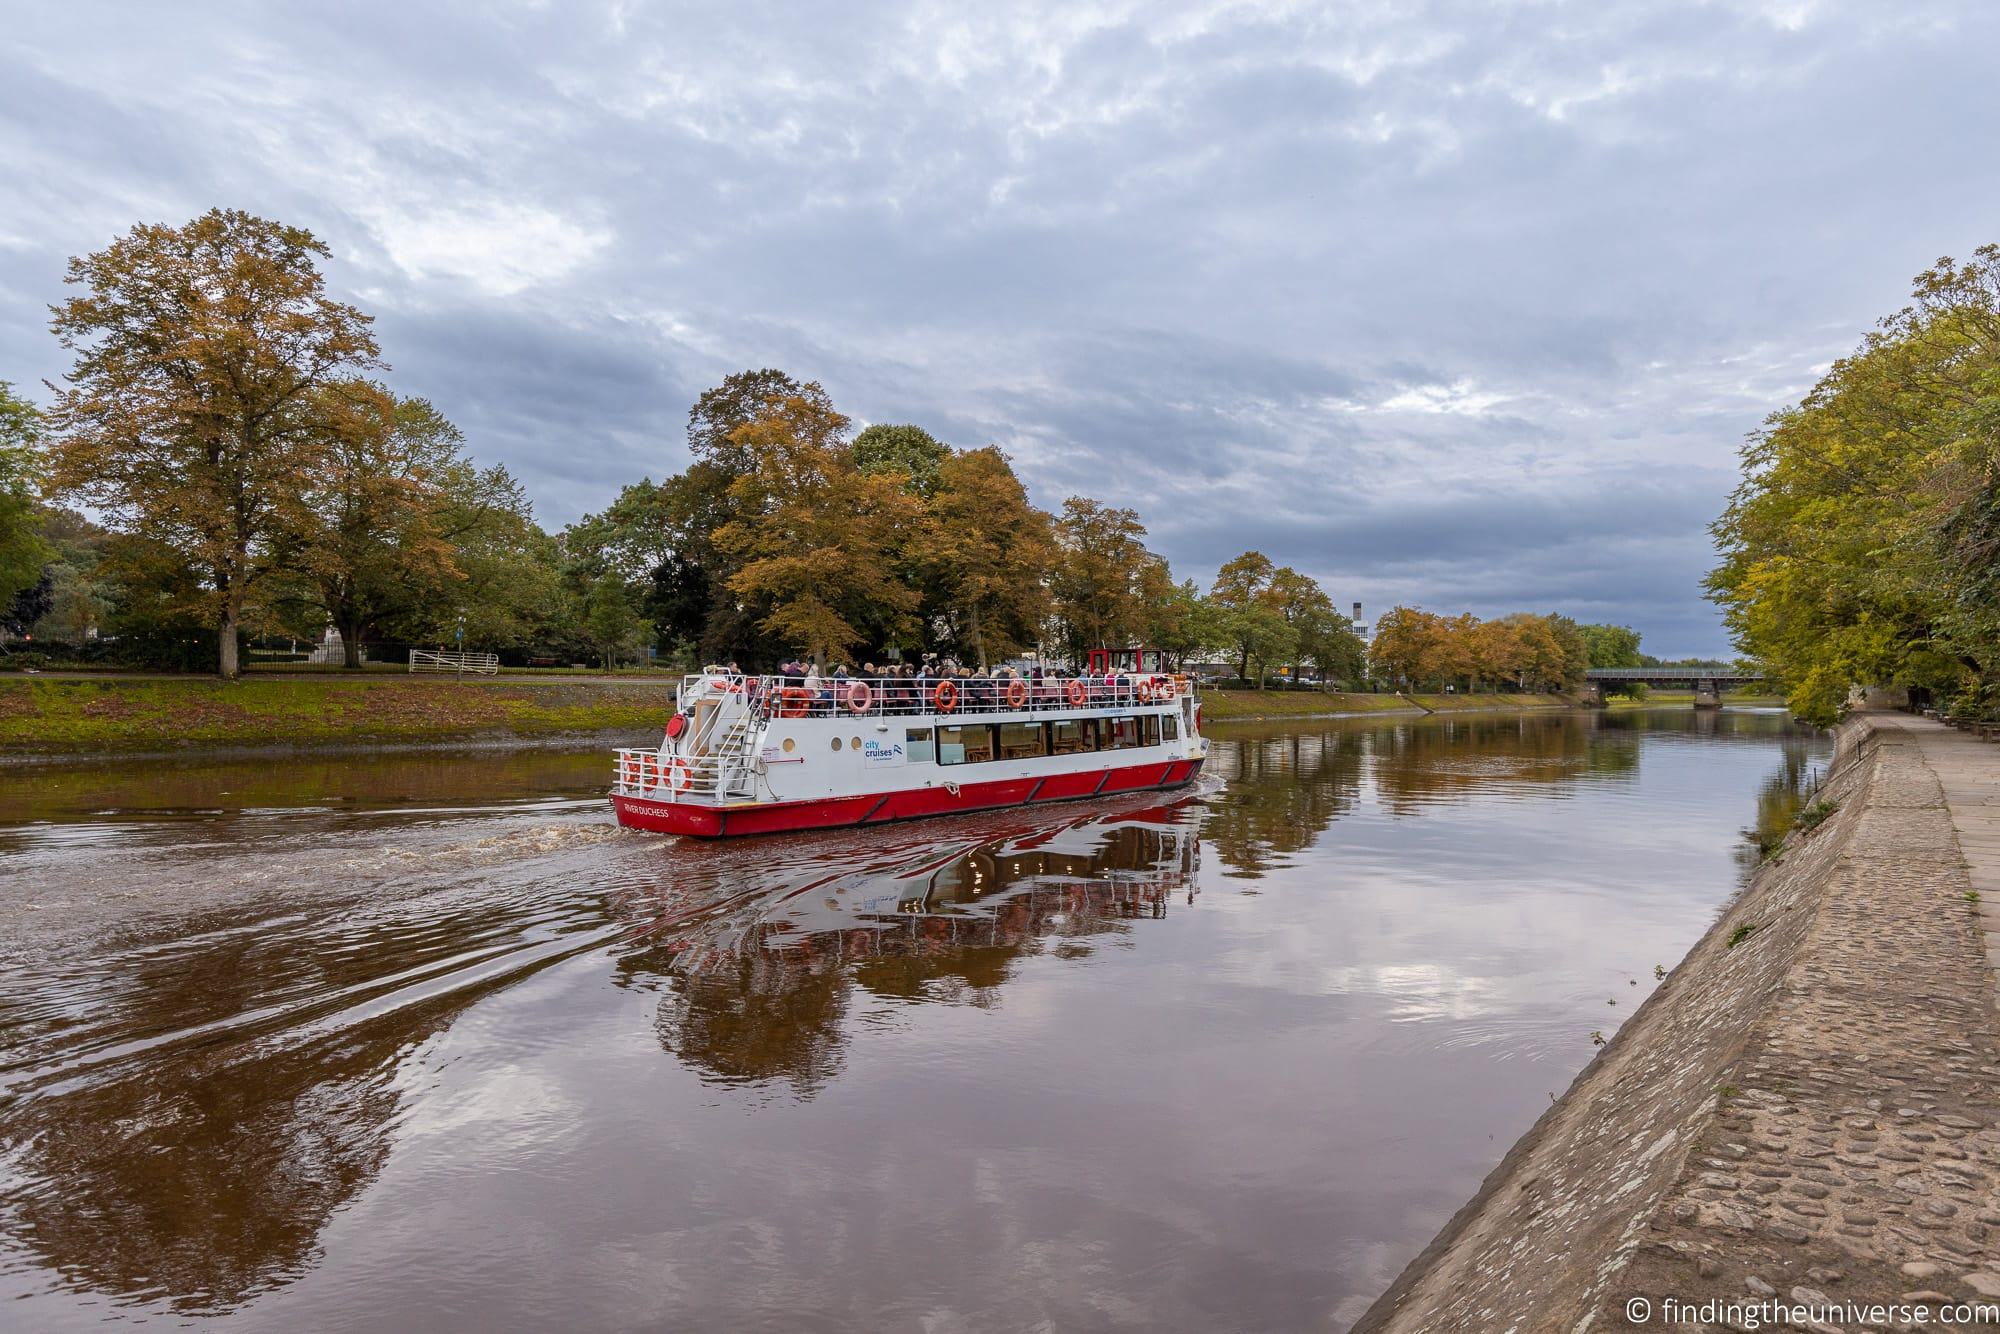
{"x": 881, "y": 752}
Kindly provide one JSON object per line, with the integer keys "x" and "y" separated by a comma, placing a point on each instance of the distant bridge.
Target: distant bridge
{"x": 1708, "y": 682}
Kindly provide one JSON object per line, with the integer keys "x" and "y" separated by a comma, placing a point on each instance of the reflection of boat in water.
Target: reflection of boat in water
{"x": 761, "y": 990}
{"x": 1039, "y": 882}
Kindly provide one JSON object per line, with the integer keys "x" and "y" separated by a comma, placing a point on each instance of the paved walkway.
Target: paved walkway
{"x": 1806, "y": 1111}
{"x": 1968, "y": 770}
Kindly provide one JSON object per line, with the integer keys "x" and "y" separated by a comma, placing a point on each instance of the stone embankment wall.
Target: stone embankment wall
{"x": 1806, "y": 1108}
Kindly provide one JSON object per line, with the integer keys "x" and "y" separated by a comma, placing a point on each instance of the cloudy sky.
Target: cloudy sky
{"x": 1467, "y": 306}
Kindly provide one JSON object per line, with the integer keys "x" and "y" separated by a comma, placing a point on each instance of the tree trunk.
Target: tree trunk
{"x": 225, "y": 643}
{"x": 350, "y": 645}
{"x": 978, "y": 640}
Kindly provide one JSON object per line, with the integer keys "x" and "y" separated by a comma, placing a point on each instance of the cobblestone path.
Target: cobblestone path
{"x": 1807, "y": 1111}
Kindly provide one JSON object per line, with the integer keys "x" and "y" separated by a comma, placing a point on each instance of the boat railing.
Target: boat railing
{"x": 767, "y": 697}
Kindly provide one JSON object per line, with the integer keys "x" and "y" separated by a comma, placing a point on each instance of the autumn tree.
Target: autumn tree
{"x": 23, "y": 553}
{"x": 986, "y": 551}
{"x": 690, "y": 597}
{"x": 192, "y": 415}
{"x": 719, "y": 413}
{"x": 1102, "y": 572}
{"x": 817, "y": 539}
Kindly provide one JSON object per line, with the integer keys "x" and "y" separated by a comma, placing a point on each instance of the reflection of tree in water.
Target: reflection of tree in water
{"x": 1283, "y": 789}
{"x": 1779, "y": 800}
{"x": 1420, "y": 763}
{"x": 204, "y": 1181}
{"x": 201, "y": 1172}
{"x": 764, "y": 993}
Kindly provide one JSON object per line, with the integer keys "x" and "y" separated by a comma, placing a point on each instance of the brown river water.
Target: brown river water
{"x": 430, "y": 1043}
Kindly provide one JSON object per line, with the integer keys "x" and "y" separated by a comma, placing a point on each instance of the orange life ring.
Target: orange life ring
{"x": 649, "y": 772}
{"x": 1167, "y": 690}
{"x": 793, "y": 701}
{"x": 1017, "y": 694}
{"x": 680, "y": 774}
{"x": 1075, "y": 692}
{"x": 945, "y": 696}
{"x": 1145, "y": 692}
{"x": 859, "y": 697}
{"x": 628, "y": 769}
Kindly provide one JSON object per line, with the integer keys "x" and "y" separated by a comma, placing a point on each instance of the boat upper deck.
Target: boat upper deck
{"x": 769, "y": 697}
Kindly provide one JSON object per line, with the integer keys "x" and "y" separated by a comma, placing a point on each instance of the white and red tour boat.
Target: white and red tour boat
{"x": 766, "y": 755}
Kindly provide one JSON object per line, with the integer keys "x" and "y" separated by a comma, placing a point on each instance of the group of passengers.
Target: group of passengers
{"x": 906, "y": 688}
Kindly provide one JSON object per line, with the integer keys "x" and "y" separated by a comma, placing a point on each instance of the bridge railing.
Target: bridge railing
{"x": 1670, "y": 674}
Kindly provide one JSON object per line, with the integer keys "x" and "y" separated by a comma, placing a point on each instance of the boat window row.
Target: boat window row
{"x": 978, "y": 743}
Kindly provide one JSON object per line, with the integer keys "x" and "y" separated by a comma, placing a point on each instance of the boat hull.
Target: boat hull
{"x": 732, "y": 820}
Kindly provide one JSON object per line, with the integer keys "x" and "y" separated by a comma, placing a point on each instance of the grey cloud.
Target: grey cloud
{"x": 1466, "y": 305}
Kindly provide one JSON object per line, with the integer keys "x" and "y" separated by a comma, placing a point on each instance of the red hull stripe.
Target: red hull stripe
{"x": 780, "y": 817}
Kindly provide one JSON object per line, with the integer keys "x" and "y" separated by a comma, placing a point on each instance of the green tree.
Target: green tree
{"x": 1573, "y": 650}
{"x": 1850, "y": 552}
{"x": 192, "y": 416}
{"x": 1241, "y": 592}
{"x": 503, "y": 585}
{"x": 374, "y": 540}
{"x": 1611, "y": 645}
{"x": 23, "y": 553}
{"x": 613, "y": 625}
{"x": 909, "y": 450}
{"x": 1322, "y": 636}
{"x": 1182, "y": 623}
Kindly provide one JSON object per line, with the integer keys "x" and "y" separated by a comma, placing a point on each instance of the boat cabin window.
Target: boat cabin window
{"x": 1170, "y": 727}
{"x": 1121, "y": 733}
{"x": 1020, "y": 741}
{"x": 1073, "y": 736}
{"x": 1127, "y": 660}
{"x": 917, "y": 744}
{"x": 969, "y": 743}
{"x": 1152, "y": 726}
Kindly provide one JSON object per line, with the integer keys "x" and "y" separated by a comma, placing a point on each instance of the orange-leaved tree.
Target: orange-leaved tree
{"x": 192, "y": 416}
{"x": 817, "y": 539}
{"x": 987, "y": 551}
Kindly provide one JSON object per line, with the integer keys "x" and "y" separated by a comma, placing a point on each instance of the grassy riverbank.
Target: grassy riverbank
{"x": 69, "y": 716}
{"x": 1487, "y": 703}
{"x": 1244, "y": 705}
{"x": 1669, "y": 699}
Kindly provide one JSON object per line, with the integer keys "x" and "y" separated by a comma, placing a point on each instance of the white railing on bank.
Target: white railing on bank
{"x": 458, "y": 664}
